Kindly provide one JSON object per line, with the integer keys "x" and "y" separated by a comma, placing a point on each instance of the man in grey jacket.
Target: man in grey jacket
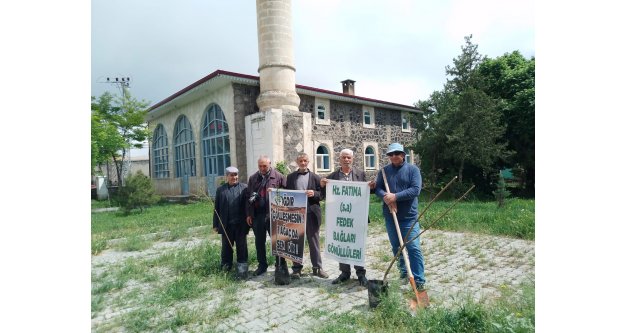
{"x": 347, "y": 172}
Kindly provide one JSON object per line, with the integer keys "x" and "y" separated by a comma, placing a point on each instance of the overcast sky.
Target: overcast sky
{"x": 396, "y": 51}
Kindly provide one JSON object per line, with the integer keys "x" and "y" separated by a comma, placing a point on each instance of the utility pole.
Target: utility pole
{"x": 123, "y": 84}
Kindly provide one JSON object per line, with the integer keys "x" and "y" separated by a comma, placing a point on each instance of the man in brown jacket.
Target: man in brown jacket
{"x": 258, "y": 208}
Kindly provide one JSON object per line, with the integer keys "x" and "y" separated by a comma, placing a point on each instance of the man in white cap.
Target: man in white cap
{"x": 404, "y": 181}
{"x": 347, "y": 172}
{"x": 229, "y": 221}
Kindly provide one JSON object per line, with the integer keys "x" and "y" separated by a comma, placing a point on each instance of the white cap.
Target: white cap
{"x": 232, "y": 169}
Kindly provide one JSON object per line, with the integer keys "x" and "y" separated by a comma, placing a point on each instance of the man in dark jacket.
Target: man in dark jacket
{"x": 347, "y": 172}
{"x": 257, "y": 208}
{"x": 304, "y": 179}
{"x": 229, "y": 213}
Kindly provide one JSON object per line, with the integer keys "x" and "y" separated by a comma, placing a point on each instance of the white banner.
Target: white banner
{"x": 347, "y": 210}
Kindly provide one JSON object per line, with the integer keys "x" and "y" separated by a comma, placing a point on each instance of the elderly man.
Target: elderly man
{"x": 229, "y": 221}
{"x": 404, "y": 181}
{"x": 258, "y": 208}
{"x": 347, "y": 172}
{"x": 304, "y": 179}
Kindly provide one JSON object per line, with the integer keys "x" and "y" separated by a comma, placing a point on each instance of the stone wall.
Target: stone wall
{"x": 244, "y": 104}
{"x": 346, "y": 130}
{"x": 293, "y": 137}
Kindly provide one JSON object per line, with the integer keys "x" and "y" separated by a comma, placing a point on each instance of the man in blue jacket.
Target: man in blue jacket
{"x": 404, "y": 181}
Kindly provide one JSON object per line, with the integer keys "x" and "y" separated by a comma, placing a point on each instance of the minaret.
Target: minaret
{"x": 279, "y": 130}
{"x": 275, "y": 56}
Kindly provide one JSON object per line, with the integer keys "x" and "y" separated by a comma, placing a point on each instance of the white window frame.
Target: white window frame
{"x": 328, "y": 145}
{"x": 371, "y": 111}
{"x": 405, "y": 119}
{"x": 376, "y": 161}
{"x": 413, "y": 158}
{"x": 326, "y": 114}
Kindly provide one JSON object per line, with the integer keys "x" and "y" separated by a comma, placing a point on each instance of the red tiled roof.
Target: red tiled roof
{"x": 256, "y": 78}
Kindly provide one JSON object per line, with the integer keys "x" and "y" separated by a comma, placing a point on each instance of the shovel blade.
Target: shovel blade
{"x": 424, "y": 299}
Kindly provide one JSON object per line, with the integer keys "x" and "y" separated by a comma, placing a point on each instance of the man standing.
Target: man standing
{"x": 304, "y": 179}
{"x": 404, "y": 181}
{"x": 229, "y": 221}
{"x": 348, "y": 173}
{"x": 258, "y": 208}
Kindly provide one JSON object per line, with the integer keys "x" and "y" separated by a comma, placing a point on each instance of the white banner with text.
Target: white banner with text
{"x": 347, "y": 211}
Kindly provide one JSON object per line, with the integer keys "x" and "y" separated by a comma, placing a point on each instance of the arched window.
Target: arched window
{"x": 184, "y": 148}
{"x": 322, "y": 157}
{"x": 160, "y": 153}
{"x": 215, "y": 142}
{"x": 369, "y": 158}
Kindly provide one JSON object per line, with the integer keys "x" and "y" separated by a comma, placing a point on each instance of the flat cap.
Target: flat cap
{"x": 232, "y": 169}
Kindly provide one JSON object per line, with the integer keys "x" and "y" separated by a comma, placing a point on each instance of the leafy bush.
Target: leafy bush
{"x": 282, "y": 168}
{"x": 138, "y": 193}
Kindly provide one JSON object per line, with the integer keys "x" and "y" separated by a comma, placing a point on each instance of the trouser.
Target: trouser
{"x": 237, "y": 233}
{"x": 346, "y": 269}
{"x": 260, "y": 226}
{"x": 415, "y": 256}
{"x": 312, "y": 235}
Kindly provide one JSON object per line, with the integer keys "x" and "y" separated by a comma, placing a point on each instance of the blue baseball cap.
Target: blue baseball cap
{"x": 395, "y": 146}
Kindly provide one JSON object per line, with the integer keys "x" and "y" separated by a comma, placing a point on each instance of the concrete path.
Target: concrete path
{"x": 456, "y": 264}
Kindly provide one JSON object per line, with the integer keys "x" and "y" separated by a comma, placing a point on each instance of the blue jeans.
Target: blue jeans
{"x": 414, "y": 248}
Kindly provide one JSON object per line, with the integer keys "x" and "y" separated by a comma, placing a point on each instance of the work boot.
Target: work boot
{"x": 318, "y": 271}
{"x": 226, "y": 267}
{"x": 362, "y": 280}
{"x": 260, "y": 270}
{"x": 342, "y": 278}
{"x": 420, "y": 286}
{"x": 242, "y": 269}
{"x": 296, "y": 274}
{"x": 282, "y": 276}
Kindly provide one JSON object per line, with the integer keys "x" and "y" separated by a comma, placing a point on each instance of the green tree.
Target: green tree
{"x": 511, "y": 79}
{"x": 461, "y": 125}
{"x": 501, "y": 193}
{"x": 117, "y": 125}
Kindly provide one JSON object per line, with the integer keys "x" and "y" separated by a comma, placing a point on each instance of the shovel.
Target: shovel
{"x": 423, "y": 294}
